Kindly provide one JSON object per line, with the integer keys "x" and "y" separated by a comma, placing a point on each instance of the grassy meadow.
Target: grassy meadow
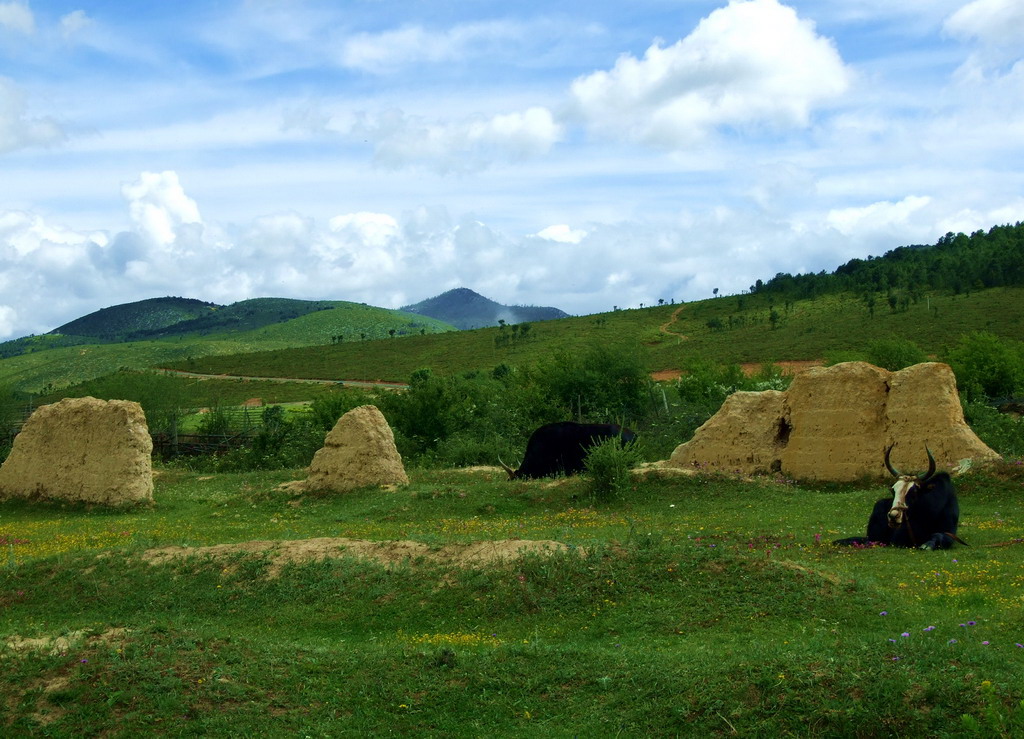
{"x": 693, "y": 606}
{"x": 703, "y": 605}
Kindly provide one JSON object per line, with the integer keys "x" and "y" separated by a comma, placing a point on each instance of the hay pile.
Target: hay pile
{"x": 835, "y": 423}
{"x": 82, "y": 450}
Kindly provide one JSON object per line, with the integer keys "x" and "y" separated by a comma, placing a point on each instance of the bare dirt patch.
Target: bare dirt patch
{"x": 666, "y": 375}
{"x": 57, "y": 645}
{"x": 789, "y": 367}
{"x": 388, "y": 553}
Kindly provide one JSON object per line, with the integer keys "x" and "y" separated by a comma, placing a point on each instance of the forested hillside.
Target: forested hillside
{"x": 956, "y": 262}
{"x": 119, "y": 322}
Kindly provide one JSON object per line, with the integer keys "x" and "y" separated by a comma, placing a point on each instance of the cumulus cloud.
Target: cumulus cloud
{"x": 17, "y": 17}
{"x": 159, "y": 207}
{"x": 50, "y": 274}
{"x": 468, "y": 145}
{"x": 750, "y": 63}
{"x": 883, "y": 216}
{"x": 562, "y": 233}
{"x": 19, "y": 130}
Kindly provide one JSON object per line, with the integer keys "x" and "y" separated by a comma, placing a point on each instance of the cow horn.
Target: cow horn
{"x": 511, "y": 472}
{"x": 931, "y": 466}
{"x": 888, "y": 465}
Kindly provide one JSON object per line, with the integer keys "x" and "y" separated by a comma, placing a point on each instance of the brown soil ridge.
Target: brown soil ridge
{"x": 788, "y": 366}
{"x": 388, "y": 553}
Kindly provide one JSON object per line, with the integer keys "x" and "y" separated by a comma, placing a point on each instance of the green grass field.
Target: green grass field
{"x": 699, "y": 606}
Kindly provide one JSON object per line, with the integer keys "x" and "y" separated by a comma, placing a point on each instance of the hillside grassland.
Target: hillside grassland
{"x": 693, "y": 606}
{"x": 666, "y": 336}
{"x": 65, "y": 366}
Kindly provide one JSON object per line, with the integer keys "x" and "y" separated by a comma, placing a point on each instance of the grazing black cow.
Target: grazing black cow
{"x": 561, "y": 448}
{"x": 922, "y": 513}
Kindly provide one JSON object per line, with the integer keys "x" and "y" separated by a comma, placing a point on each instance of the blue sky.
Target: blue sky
{"x": 582, "y": 155}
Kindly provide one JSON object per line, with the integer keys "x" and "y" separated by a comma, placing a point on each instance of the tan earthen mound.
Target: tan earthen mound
{"x": 82, "y": 450}
{"x": 835, "y": 423}
{"x": 359, "y": 452}
{"x": 389, "y": 553}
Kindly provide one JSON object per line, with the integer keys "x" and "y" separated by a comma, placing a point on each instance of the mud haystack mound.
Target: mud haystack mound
{"x": 82, "y": 450}
{"x": 359, "y": 452}
{"x": 835, "y": 423}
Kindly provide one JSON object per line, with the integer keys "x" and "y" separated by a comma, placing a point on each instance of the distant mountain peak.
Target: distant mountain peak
{"x": 466, "y": 309}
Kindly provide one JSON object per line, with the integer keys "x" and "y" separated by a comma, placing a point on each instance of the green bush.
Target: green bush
{"x": 599, "y": 384}
{"x": 1001, "y": 431}
{"x": 609, "y": 468}
{"x": 987, "y": 366}
{"x": 895, "y": 354}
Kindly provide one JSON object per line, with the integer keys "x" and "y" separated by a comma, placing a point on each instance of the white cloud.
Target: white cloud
{"x": 881, "y": 216}
{"x": 159, "y": 207}
{"x": 749, "y": 63}
{"x": 74, "y": 24}
{"x": 562, "y": 233}
{"x": 996, "y": 22}
{"x": 51, "y": 274}
{"x": 17, "y": 17}
{"x": 468, "y": 145}
{"x": 18, "y": 130}
{"x": 8, "y": 320}
{"x": 388, "y": 50}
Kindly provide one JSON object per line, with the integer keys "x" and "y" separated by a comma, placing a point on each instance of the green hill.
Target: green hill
{"x": 134, "y": 319}
{"x": 332, "y": 321}
{"x": 729, "y": 330}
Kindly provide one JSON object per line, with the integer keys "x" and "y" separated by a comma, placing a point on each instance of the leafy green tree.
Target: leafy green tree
{"x": 600, "y": 383}
{"x": 987, "y": 366}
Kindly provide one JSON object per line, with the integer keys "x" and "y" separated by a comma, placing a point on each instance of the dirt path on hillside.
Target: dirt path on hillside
{"x": 383, "y": 384}
{"x": 666, "y": 328}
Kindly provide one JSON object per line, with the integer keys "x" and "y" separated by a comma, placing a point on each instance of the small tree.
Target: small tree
{"x": 987, "y": 366}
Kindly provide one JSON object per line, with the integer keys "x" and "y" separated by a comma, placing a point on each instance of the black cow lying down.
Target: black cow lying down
{"x": 922, "y": 513}
{"x": 561, "y": 448}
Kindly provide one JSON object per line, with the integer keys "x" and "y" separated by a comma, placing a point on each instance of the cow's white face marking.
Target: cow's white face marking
{"x": 903, "y": 485}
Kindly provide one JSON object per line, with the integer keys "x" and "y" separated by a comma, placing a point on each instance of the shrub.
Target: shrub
{"x": 609, "y": 468}
{"x": 600, "y": 384}
{"x": 895, "y": 354}
{"x": 1001, "y": 431}
{"x": 987, "y": 366}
